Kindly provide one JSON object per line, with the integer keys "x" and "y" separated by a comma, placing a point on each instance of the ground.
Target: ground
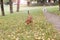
{"x": 54, "y": 10}
{"x": 52, "y": 18}
{"x": 12, "y": 26}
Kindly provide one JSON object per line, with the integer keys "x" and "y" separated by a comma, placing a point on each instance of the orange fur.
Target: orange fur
{"x": 29, "y": 19}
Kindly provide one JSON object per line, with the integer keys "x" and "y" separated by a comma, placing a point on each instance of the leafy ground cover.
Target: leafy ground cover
{"x": 12, "y": 27}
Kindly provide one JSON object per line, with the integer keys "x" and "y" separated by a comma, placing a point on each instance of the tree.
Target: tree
{"x": 2, "y": 8}
{"x": 59, "y": 5}
{"x": 18, "y": 4}
{"x": 11, "y": 6}
{"x": 42, "y": 2}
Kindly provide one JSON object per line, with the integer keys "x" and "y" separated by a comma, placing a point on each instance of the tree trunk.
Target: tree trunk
{"x": 18, "y": 4}
{"x": 59, "y": 5}
{"x": 11, "y": 6}
{"x": 2, "y": 8}
{"x": 54, "y": 1}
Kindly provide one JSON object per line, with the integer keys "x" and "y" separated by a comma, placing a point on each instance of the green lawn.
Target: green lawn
{"x": 54, "y": 10}
{"x": 12, "y": 26}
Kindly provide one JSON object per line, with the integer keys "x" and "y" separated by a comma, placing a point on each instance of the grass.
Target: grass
{"x": 12, "y": 27}
{"x": 54, "y": 10}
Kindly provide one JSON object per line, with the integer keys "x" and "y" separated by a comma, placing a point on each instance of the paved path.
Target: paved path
{"x": 54, "y": 19}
